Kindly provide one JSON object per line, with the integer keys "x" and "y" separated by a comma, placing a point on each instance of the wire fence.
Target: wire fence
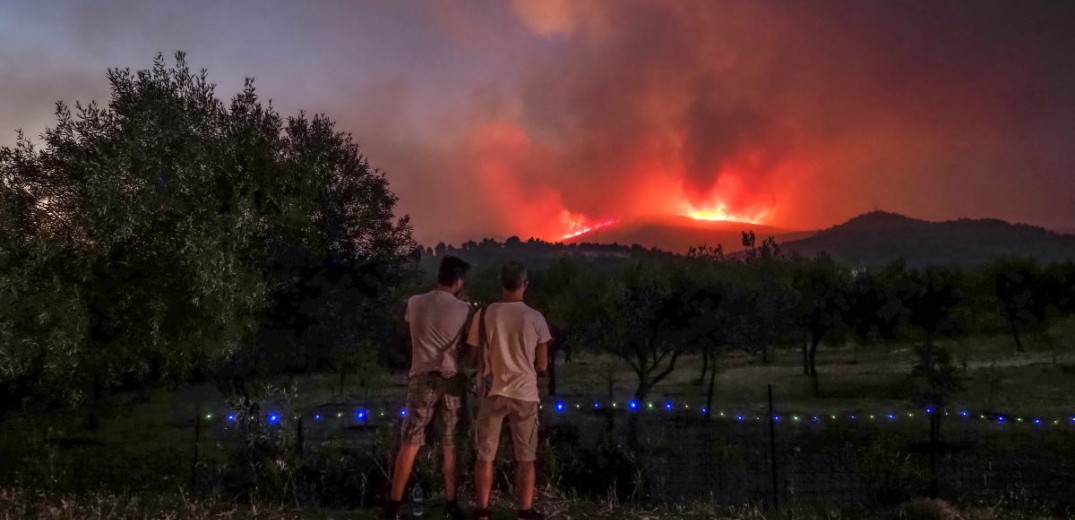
{"x": 755, "y": 455}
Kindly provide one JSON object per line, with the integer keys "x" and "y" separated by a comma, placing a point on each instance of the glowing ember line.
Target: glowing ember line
{"x": 587, "y": 229}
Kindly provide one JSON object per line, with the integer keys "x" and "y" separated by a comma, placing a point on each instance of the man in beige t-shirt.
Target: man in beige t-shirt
{"x": 513, "y": 352}
{"x": 434, "y": 389}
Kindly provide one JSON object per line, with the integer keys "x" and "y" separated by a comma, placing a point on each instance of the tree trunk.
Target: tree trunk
{"x": 705, "y": 366}
{"x": 92, "y": 420}
{"x": 1015, "y": 334}
{"x": 806, "y": 357}
{"x": 632, "y": 417}
{"x": 632, "y": 432}
{"x": 814, "y": 385}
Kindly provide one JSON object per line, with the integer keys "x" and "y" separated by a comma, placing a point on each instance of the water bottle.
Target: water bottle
{"x": 417, "y": 502}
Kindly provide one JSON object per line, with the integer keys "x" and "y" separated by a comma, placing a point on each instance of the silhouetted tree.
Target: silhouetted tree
{"x": 707, "y": 253}
{"x": 184, "y": 220}
{"x": 751, "y": 251}
{"x": 874, "y": 311}
{"x": 639, "y": 316}
{"x": 931, "y": 298}
{"x": 1022, "y": 295}
{"x": 823, "y": 303}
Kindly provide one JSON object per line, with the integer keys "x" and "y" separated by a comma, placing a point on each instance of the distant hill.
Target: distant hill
{"x": 879, "y": 237}
{"x": 871, "y": 239}
{"x": 677, "y": 234}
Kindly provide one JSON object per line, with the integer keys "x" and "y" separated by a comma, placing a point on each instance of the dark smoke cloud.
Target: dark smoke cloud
{"x": 816, "y": 110}
{"x": 530, "y": 117}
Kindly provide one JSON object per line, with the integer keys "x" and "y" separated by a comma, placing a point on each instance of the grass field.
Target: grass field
{"x": 157, "y": 427}
{"x": 995, "y": 377}
{"x": 19, "y": 504}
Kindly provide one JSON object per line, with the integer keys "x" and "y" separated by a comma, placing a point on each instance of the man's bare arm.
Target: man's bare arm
{"x": 541, "y": 358}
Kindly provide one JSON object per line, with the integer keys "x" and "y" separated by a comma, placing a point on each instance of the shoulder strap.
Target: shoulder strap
{"x": 484, "y": 382}
{"x": 483, "y": 340}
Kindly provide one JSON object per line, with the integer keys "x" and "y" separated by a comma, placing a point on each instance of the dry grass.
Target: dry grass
{"x": 16, "y": 503}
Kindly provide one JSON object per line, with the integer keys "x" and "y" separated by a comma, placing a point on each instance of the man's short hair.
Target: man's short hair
{"x": 512, "y": 276}
{"x": 452, "y": 269}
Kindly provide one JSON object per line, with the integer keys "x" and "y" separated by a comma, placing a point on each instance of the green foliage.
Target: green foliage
{"x": 1025, "y": 295}
{"x": 887, "y": 469}
{"x": 594, "y": 471}
{"x": 756, "y": 302}
{"x": 154, "y": 236}
{"x": 262, "y": 459}
{"x": 637, "y": 315}
{"x": 874, "y": 310}
{"x": 931, "y": 299}
{"x": 761, "y": 302}
{"x": 43, "y": 321}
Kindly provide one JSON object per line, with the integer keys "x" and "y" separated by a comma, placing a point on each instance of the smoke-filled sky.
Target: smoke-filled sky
{"x": 535, "y": 118}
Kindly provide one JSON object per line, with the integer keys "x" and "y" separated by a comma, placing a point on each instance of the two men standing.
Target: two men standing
{"x": 511, "y": 340}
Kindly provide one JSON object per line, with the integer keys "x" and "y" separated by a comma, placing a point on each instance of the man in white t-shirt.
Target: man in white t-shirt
{"x": 435, "y": 388}
{"x": 512, "y": 339}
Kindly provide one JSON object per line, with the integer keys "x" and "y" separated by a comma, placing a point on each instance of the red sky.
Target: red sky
{"x": 531, "y": 117}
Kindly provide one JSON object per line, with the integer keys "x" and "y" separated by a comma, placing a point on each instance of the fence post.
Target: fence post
{"x": 709, "y": 394}
{"x": 197, "y": 441}
{"x": 609, "y": 417}
{"x": 298, "y": 438}
{"x": 934, "y": 435}
{"x": 772, "y": 449}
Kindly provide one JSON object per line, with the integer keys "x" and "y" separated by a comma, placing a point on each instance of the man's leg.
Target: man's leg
{"x": 421, "y": 399}
{"x": 490, "y": 418}
{"x": 448, "y": 455}
{"x": 449, "y": 412}
{"x": 483, "y": 482}
{"x": 524, "y": 440}
{"x": 401, "y": 472}
{"x": 525, "y": 474}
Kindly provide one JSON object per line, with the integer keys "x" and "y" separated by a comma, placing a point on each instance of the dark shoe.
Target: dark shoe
{"x": 530, "y": 514}
{"x": 452, "y": 511}
{"x": 391, "y": 511}
{"x": 483, "y": 514}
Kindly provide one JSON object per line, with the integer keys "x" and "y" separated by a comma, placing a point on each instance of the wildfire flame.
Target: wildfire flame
{"x": 578, "y": 228}
{"x": 719, "y": 212}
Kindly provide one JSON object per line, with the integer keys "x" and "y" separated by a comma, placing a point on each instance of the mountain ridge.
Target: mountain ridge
{"x": 872, "y": 238}
{"x": 879, "y": 237}
{"x": 677, "y": 234}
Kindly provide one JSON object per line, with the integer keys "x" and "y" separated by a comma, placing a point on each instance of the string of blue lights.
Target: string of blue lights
{"x": 364, "y": 415}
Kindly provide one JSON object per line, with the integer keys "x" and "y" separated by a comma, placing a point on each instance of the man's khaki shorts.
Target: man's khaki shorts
{"x": 431, "y": 396}
{"x": 522, "y": 418}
